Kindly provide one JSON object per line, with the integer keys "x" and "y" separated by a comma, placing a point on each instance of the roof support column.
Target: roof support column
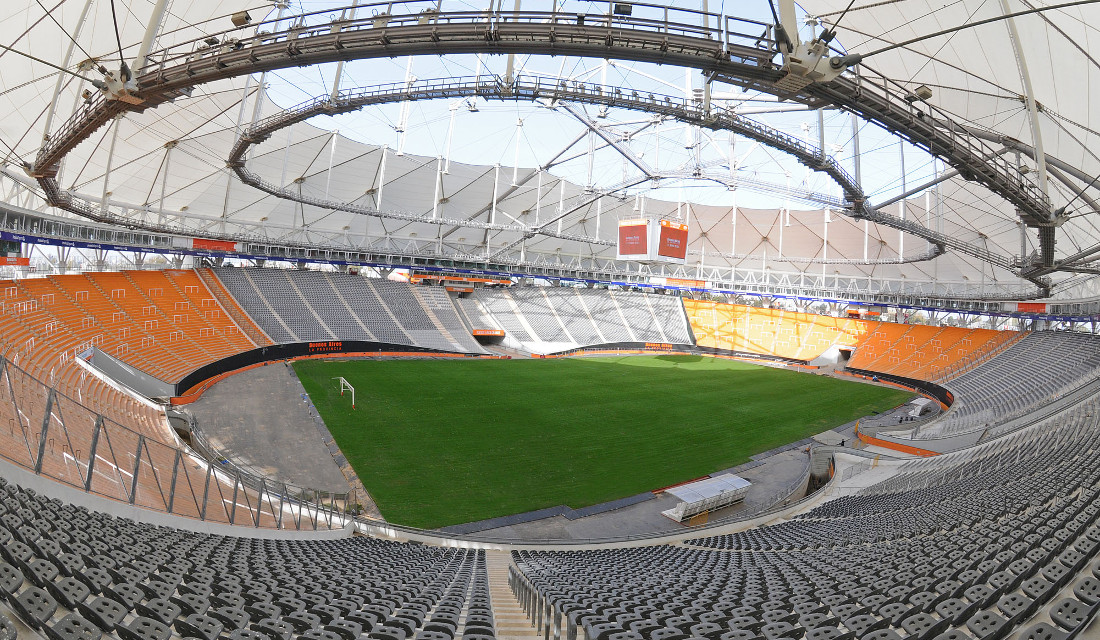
{"x": 901, "y": 203}
{"x": 855, "y": 149}
{"x": 151, "y": 31}
{"x": 340, "y": 65}
{"x": 61, "y": 77}
{"x": 1029, "y": 99}
{"x": 110, "y": 156}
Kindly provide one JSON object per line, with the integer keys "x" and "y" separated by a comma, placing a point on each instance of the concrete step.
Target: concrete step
{"x": 511, "y": 622}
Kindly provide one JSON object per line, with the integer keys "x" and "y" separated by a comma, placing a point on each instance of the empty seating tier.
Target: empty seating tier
{"x": 72, "y": 573}
{"x": 787, "y": 334}
{"x": 1037, "y": 369}
{"x": 550, "y": 319}
{"x": 967, "y": 545}
{"x": 311, "y": 306}
{"x": 925, "y": 352}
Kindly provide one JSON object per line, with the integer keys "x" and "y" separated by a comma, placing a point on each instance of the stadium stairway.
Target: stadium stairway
{"x": 511, "y": 622}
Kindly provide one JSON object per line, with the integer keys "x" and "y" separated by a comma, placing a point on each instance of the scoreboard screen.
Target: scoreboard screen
{"x": 634, "y": 239}
{"x": 652, "y": 240}
{"x": 673, "y": 241}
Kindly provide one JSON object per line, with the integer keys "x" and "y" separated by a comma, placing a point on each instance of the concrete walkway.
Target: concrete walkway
{"x": 259, "y": 420}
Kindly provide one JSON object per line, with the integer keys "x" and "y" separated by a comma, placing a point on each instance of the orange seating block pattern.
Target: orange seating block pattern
{"x": 787, "y": 334}
{"x": 165, "y": 323}
{"x": 925, "y": 352}
{"x": 916, "y": 351}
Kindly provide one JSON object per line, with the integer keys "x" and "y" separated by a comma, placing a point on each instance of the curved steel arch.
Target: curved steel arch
{"x": 723, "y": 51}
{"x": 538, "y": 88}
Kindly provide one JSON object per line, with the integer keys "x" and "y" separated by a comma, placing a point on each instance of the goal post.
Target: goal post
{"x": 346, "y": 386}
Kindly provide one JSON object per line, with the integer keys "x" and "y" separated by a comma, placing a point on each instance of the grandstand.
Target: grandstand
{"x": 548, "y": 320}
{"x": 310, "y": 306}
{"x": 910, "y": 511}
{"x": 896, "y": 194}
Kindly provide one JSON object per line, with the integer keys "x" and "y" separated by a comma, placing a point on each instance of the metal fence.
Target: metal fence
{"x": 54, "y": 436}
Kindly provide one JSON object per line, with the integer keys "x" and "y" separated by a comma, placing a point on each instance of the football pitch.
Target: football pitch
{"x": 443, "y": 442}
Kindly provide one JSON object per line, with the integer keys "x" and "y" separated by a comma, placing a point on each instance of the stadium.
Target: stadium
{"x": 447, "y": 320}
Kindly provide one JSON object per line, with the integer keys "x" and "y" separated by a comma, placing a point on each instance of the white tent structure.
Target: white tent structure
{"x": 539, "y": 185}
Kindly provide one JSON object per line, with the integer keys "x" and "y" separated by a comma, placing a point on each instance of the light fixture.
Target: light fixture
{"x": 921, "y": 93}
{"x": 241, "y": 18}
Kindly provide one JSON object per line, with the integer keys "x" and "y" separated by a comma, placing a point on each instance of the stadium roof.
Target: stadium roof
{"x": 467, "y": 178}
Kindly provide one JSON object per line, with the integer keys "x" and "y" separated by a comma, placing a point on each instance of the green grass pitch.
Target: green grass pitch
{"x": 442, "y": 442}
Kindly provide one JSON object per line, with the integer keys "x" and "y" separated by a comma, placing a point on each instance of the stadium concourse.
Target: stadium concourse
{"x": 111, "y": 524}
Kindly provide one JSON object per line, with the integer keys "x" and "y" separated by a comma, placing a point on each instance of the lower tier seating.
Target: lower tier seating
{"x": 961, "y": 546}
{"x": 68, "y": 572}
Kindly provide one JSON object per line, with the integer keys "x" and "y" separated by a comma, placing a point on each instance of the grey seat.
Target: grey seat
{"x": 1088, "y": 590}
{"x": 73, "y": 627}
{"x": 199, "y": 626}
{"x": 69, "y": 592}
{"x": 273, "y": 628}
{"x": 864, "y": 623}
{"x": 349, "y": 630}
{"x": 1069, "y": 613}
{"x": 34, "y": 606}
{"x": 105, "y": 613}
{"x": 10, "y": 580}
{"x": 922, "y": 626}
{"x": 987, "y": 625}
{"x": 142, "y": 628}
{"x": 1016, "y": 607}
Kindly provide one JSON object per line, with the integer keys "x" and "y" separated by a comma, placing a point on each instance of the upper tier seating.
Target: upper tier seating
{"x": 920, "y": 352}
{"x": 165, "y": 323}
{"x": 72, "y": 573}
{"x": 787, "y": 334}
{"x": 1042, "y": 366}
{"x": 307, "y": 306}
{"x": 926, "y": 352}
{"x": 551, "y": 319}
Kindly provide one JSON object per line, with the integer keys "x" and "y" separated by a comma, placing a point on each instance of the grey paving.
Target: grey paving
{"x": 768, "y": 476}
{"x": 258, "y": 419}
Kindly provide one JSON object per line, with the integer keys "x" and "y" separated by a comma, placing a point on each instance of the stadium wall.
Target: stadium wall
{"x": 295, "y": 350}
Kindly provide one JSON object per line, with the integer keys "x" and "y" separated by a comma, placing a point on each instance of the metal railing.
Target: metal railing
{"x": 55, "y": 436}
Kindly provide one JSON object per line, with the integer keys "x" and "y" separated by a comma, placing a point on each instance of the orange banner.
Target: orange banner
{"x": 632, "y": 238}
{"x": 213, "y": 245}
{"x": 488, "y": 332}
{"x": 1031, "y": 307}
{"x": 15, "y": 261}
{"x": 680, "y": 282}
